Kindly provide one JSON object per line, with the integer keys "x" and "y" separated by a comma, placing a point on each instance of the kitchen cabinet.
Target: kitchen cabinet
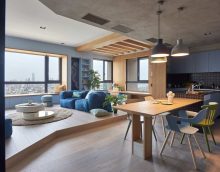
{"x": 195, "y": 63}
{"x": 201, "y": 62}
{"x": 180, "y": 64}
{"x": 214, "y": 61}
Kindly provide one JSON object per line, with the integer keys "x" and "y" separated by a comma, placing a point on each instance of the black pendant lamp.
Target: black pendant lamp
{"x": 160, "y": 50}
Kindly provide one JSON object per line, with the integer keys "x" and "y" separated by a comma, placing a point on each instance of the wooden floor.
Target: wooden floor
{"x": 102, "y": 149}
{"x": 25, "y": 136}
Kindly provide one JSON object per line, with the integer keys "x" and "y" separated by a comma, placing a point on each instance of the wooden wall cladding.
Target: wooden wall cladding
{"x": 157, "y": 73}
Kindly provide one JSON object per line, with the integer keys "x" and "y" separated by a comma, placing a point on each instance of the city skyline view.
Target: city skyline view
{"x": 29, "y": 68}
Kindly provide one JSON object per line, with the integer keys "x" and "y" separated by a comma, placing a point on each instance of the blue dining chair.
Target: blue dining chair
{"x": 182, "y": 125}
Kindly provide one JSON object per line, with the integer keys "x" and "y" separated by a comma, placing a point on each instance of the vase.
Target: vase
{"x": 114, "y": 110}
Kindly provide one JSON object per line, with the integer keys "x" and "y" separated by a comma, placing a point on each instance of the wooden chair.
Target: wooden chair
{"x": 162, "y": 115}
{"x": 207, "y": 123}
{"x": 185, "y": 128}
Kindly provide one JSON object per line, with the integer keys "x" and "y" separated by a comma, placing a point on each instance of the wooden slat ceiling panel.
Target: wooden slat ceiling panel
{"x": 114, "y": 45}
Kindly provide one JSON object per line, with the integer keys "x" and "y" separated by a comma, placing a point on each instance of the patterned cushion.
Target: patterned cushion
{"x": 76, "y": 94}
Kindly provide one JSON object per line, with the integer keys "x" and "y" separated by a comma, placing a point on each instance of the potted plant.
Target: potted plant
{"x": 114, "y": 100}
{"x": 117, "y": 87}
{"x": 94, "y": 80}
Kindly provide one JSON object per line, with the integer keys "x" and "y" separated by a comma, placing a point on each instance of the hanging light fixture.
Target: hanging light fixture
{"x": 160, "y": 50}
{"x": 158, "y": 59}
{"x": 180, "y": 49}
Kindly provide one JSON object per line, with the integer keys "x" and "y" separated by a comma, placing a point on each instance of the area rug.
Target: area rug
{"x": 60, "y": 114}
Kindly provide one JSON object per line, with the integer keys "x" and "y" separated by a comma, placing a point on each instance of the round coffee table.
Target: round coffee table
{"x": 34, "y": 111}
{"x": 38, "y": 115}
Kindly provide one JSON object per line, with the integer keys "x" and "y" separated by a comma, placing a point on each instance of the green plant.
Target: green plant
{"x": 94, "y": 79}
{"x": 115, "y": 100}
{"x": 114, "y": 85}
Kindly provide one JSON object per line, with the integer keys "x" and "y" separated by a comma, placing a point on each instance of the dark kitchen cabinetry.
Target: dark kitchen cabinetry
{"x": 201, "y": 62}
{"x": 214, "y": 61}
{"x": 180, "y": 64}
{"x": 195, "y": 63}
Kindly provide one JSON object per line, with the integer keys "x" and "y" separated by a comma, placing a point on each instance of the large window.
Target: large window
{"x": 137, "y": 74}
{"x": 29, "y": 73}
{"x": 104, "y": 68}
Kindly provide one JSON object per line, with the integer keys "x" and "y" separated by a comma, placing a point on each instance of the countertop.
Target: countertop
{"x": 185, "y": 89}
{"x": 131, "y": 92}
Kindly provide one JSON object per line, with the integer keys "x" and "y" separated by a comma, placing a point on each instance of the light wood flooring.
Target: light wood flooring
{"x": 103, "y": 149}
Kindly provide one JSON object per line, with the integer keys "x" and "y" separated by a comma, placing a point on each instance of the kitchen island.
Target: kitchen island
{"x": 207, "y": 95}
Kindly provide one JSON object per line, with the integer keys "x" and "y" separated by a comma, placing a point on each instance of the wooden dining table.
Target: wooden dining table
{"x": 143, "y": 146}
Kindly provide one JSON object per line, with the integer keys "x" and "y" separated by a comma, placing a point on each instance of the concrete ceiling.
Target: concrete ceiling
{"x": 199, "y": 17}
{"x": 24, "y": 18}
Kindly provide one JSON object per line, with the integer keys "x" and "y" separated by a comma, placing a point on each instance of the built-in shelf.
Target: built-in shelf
{"x": 85, "y": 67}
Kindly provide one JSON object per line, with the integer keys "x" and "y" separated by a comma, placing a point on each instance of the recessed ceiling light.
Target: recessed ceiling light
{"x": 43, "y": 27}
{"x": 208, "y": 33}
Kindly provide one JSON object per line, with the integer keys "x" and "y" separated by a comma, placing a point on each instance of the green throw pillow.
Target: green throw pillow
{"x": 76, "y": 94}
{"x": 99, "y": 112}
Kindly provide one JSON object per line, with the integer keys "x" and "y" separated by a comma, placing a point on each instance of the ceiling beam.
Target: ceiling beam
{"x": 106, "y": 51}
{"x": 102, "y": 53}
{"x": 112, "y": 49}
{"x": 130, "y": 45}
{"x": 138, "y": 43}
{"x": 104, "y": 41}
{"x": 122, "y": 47}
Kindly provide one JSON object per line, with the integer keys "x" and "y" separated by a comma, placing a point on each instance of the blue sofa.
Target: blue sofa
{"x": 95, "y": 100}
{"x": 68, "y": 101}
{"x": 84, "y": 103}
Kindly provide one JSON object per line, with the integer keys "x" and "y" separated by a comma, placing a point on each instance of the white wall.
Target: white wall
{"x": 26, "y": 44}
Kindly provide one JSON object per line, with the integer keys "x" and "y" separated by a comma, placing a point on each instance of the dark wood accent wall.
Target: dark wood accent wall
{"x": 74, "y": 73}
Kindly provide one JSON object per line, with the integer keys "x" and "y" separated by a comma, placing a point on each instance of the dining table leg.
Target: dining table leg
{"x": 147, "y": 142}
{"x": 136, "y": 130}
{"x": 142, "y": 146}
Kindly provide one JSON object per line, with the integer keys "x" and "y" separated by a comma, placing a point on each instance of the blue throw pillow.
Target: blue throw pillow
{"x": 99, "y": 112}
{"x": 91, "y": 91}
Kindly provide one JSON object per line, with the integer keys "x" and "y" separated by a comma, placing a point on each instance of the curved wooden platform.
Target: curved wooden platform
{"x": 27, "y": 139}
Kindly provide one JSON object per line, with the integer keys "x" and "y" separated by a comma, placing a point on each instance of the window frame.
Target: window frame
{"x": 46, "y": 81}
{"x": 103, "y": 79}
{"x": 138, "y": 72}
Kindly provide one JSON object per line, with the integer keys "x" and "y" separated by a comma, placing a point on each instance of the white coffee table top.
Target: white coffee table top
{"x": 38, "y": 116}
{"x": 29, "y": 107}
